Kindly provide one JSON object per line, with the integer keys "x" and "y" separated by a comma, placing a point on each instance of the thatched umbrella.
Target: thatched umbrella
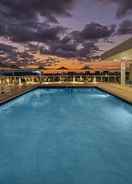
{"x": 62, "y": 69}
{"x": 42, "y": 69}
{"x": 86, "y": 67}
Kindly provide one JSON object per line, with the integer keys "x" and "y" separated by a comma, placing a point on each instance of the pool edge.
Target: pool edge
{"x": 59, "y": 86}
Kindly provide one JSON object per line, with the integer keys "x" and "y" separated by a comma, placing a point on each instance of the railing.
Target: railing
{"x": 6, "y": 80}
{"x": 9, "y": 82}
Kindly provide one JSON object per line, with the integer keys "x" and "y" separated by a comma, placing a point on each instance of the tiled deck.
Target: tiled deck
{"x": 125, "y": 93}
{"x": 11, "y": 93}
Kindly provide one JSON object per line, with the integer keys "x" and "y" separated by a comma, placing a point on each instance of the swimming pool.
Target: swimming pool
{"x": 66, "y": 136}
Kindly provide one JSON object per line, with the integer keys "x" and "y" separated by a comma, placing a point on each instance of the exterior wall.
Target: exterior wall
{"x": 126, "y": 54}
{"x": 130, "y": 74}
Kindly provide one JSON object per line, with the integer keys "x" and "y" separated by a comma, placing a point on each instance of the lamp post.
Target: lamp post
{"x": 123, "y": 72}
{"x": 94, "y": 79}
{"x": 74, "y": 79}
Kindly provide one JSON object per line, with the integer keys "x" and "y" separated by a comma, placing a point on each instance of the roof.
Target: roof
{"x": 126, "y": 45}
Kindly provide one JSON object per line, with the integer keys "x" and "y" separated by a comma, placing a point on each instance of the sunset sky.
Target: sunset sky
{"x": 68, "y": 28}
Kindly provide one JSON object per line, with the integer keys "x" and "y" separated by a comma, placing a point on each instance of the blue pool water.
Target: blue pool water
{"x": 66, "y": 136}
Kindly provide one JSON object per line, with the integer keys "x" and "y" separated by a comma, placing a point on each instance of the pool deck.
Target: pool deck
{"x": 124, "y": 93}
{"x": 14, "y": 92}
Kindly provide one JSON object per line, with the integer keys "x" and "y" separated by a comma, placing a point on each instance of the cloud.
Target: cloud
{"x": 88, "y": 49}
{"x": 125, "y": 27}
{"x": 22, "y": 9}
{"x": 124, "y": 7}
{"x": 36, "y": 20}
{"x": 73, "y": 50}
{"x": 27, "y": 31}
{"x": 81, "y": 43}
{"x": 43, "y": 35}
{"x": 63, "y": 47}
{"x": 32, "y": 20}
{"x": 95, "y": 31}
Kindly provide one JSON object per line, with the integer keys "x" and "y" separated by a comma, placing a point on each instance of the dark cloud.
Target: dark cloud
{"x": 29, "y": 20}
{"x": 35, "y": 20}
{"x": 22, "y": 9}
{"x": 24, "y": 34}
{"x": 125, "y": 27}
{"x": 81, "y": 43}
{"x": 73, "y": 50}
{"x": 124, "y": 6}
{"x": 63, "y": 47}
{"x": 6, "y": 48}
{"x": 88, "y": 49}
{"x": 68, "y": 47}
{"x": 27, "y": 31}
{"x": 95, "y": 31}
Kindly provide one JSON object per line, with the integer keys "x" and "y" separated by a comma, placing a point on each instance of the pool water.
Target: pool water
{"x": 66, "y": 136}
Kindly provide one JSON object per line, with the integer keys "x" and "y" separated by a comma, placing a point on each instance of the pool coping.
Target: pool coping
{"x": 100, "y": 86}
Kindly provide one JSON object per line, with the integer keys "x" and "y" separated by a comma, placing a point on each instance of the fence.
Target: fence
{"x": 24, "y": 80}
